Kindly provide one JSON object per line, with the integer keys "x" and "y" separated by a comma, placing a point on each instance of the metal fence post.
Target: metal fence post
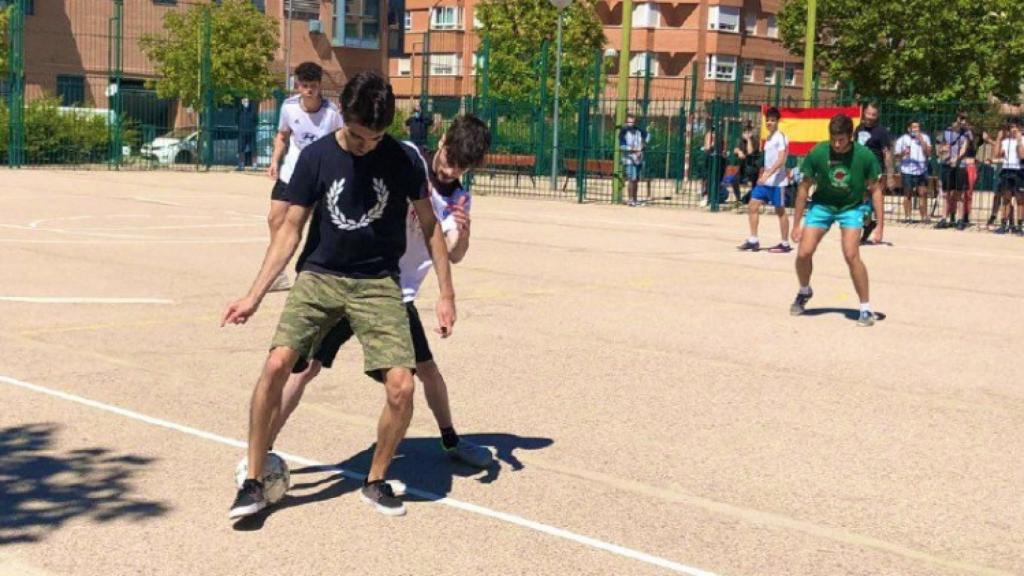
{"x": 115, "y": 65}
{"x": 582, "y": 137}
{"x": 539, "y": 111}
{"x": 16, "y": 79}
{"x": 206, "y": 85}
{"x": 716, "y": 158}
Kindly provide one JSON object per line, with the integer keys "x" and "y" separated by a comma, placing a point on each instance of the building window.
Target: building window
{"x": 638, "y": 64}
{"x": 357, "y": 23}
{"x": 303, "y": 9}
{"x": 790, "y": 76}
{"x": 773, "y": 27}
{"x": 750, "y": 24}
{"x": 748, "y": 72}
{"x": 724, "y": 18}
{"x": 404, "y": 66}
{"x": 70, "y": 89}
{"x": 166, "y": 2}
{"x": 646, "y": 15}
{"x": 408, "y": 21}
{"x": 445, "y": 18}
{"x": 718, "y": 67}
{"x": 444, "y": 64}
{"x": 769, "y": 74}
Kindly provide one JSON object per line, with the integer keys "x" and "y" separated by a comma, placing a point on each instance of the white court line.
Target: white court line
{"x": 84, "y": 300}
{"x": 451, "y": 502}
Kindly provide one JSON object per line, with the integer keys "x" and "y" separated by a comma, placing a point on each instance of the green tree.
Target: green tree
{"x": 517, "y": 30}
{"x": 915, "y": 51}
{"x": 5, "y": 48}
{"x": 242, "y": 46}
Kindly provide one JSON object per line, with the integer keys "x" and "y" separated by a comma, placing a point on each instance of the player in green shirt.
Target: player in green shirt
{"x": 842, "y": 172}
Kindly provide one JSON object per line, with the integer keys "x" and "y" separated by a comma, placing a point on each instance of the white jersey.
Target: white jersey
{"x": 774, "y": 149}
{"x": 304, "y": 128}
{"x": 416, "y": 263}
{"x": 1011, "y": 159}
{"x": 915, "y": 162}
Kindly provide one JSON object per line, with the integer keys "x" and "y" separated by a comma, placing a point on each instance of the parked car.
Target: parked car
{"x": 181, "y": 146}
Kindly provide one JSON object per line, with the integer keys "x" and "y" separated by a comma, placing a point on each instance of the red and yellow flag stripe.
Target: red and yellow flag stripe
{"x": 806, "y": 127}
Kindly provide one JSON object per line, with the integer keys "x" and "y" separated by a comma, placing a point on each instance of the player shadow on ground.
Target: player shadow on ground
{"x": 39, "y": 492}
{"x": 419, "y": 462}
{"x": 850, "y": 313}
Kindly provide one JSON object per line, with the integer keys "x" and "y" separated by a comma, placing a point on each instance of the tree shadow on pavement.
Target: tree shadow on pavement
{"x": 850, "y": 313}
{"x": 419, "y": 462}
{"x": 41, "y": 490}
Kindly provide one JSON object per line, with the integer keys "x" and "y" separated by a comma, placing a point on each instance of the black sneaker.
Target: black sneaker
{"x": 800, "y": 304}
{"x": 1002, "y": 229}
{"x": 751, "y": 246}
{"x": 250, "y": 500}
{"x": 962, "y": 225}
{"x": 380, "y": 494}
{"x": 943, "y": 224}
{"x": 868, "y": 229}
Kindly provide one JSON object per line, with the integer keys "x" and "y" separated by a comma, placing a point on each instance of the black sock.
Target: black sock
{"x": 449, "y": 439}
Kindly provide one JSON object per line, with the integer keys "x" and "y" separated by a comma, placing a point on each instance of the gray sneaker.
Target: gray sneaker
{"x": 469, "y": 453}
{"x": 281, "y": 283}
{"x": 867, "y": 318}
{"x": 383, "y": 498}
{"x": 800, "y": 304}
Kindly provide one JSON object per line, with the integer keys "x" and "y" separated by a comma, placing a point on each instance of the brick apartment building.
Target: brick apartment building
{"x": 67, "y": 43}
{"x": 724, "y": 37}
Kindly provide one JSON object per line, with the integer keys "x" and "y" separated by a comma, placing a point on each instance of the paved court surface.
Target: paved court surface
{"x": 655, "y": 408}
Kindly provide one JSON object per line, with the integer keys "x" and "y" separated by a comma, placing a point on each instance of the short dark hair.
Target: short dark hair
{"x": 467, "y": 142}
{"x": 871, "y": 104}
{"x": 368, "y": 100}
{"x": 773, "y": 112}
{"x": 309, "y": 72}
{"x": 912, "y": 121}
{"x": 840, "y": 124}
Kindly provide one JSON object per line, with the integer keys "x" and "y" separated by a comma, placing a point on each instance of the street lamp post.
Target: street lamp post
{"x": 561, "y": 5}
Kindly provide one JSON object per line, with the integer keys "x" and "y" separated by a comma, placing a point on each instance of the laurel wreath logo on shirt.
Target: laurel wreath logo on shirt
{"x": 375, "y": 213}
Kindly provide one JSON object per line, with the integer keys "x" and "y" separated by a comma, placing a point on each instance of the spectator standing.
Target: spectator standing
{"x": 913, "y": 150}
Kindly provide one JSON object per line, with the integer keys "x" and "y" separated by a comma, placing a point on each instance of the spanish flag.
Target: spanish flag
{"x": 806, "y": 127}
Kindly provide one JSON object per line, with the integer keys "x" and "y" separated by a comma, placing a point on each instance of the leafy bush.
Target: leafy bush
{"x": 56, "y": 136}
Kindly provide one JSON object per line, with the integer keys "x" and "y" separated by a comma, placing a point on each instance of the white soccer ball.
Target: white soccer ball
{"x": 276, "y": 477}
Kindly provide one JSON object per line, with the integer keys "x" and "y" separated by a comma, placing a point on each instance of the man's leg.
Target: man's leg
{"x": 805, "y": 254}
{"x": 754, "y": 217}
{"x": 922, "y": 193}
{"x": 783, "y": 224}
{"x": 1019, "y": 196}
{"x": 394, "y": 420}
{"x": 858, "y": 272}
{"x": 291, "y": 396}
{"x": 436, "y": 391}
{"x": 633, "y": 184}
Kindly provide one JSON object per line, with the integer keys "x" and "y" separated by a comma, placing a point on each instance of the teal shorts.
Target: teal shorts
{"x": 821, "y": 216}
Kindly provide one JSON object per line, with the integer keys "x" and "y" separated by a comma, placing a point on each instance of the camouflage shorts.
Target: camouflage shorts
{"x": 373, "y": 307}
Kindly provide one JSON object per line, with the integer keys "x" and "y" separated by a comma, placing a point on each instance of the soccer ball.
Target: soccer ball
{"x": 276, "y": 478}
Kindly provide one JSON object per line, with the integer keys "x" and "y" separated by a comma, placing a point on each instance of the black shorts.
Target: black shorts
{"x": 954, "y": 178}
{"x": 911, "y": 182}
{"x": 1011, "y": 180}
{"x": 278, "y": 192}
{"x": 342, "y": 332}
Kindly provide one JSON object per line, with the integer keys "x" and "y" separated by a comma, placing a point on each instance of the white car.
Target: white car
{"x": 176, "y": 147}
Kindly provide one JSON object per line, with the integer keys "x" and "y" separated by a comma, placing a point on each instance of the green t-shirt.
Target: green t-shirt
{"x": 841, "y": 179}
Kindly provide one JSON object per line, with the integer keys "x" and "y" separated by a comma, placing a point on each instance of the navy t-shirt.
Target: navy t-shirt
{"x": 361, "y": 204}
{"x": 876, "y": 138}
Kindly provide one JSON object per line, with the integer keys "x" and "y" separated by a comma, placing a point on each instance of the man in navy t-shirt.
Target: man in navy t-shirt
{"x": 359, "y": 182}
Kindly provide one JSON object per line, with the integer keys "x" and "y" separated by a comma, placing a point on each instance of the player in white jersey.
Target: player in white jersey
{"x": 771, "y": 186}
{"x": 305, "y": 118}
{"x": 1011, "y": 178}
{"x": 461, "y": 149}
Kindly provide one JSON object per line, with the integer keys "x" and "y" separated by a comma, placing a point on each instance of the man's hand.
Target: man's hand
{"x": 445, "y": 316}
{"x": 239, "y": 311}
{"x": 272, "y": 171}
{"x": 459, "y": 213}
{"x": 797, "y": 234}
{"x": 876, "y": 237}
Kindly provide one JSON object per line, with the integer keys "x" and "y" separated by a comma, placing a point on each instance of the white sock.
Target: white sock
{"x": 805, "y": 290}
{"x": 785, "y": 243}
{"x": 753, "y": 240}
{"x": 865, "y": 307}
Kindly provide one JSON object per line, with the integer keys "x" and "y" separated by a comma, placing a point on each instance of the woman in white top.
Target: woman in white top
{"x": 913, "y": 150}
{"x": 1011, "y": 178}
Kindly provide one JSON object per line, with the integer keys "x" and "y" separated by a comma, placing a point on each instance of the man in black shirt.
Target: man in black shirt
{"x": 359, "y": 181}
{"x": 877, "y": 139}
{"x": 419, "y": 127}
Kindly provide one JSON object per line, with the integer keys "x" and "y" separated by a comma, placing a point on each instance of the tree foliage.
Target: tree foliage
{"x": 242, "y": 45}
{"x": 518, "y": 29}
{"x": 5, "y": 45}
{"x": 916, "y": 51}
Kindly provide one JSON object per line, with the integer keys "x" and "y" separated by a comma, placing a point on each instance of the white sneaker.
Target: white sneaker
{"x": 476, "y": 456}
{"x": 281, "y": 284}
